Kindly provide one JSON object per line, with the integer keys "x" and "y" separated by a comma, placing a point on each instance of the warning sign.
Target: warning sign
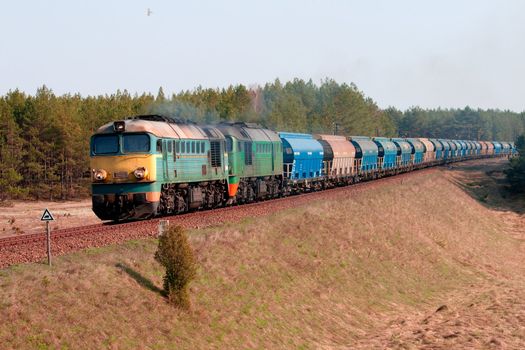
{"x": 47, "y": 216}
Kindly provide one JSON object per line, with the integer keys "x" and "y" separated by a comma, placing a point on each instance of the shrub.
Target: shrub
{"x": 176, "y": 255}
{"x": 516, "y": 172}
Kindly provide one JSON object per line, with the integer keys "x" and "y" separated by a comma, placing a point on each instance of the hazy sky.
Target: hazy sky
{"x": 447, "y": 53}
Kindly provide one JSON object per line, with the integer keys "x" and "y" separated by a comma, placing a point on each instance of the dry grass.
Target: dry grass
{"x": 327, "y": 275}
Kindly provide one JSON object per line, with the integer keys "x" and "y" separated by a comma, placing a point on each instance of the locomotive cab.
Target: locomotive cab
{"x": 124, "y": 170}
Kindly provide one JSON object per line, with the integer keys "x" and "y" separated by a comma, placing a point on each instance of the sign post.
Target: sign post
{"x": 47, "y": 217}
{"x": 163, "y": 226}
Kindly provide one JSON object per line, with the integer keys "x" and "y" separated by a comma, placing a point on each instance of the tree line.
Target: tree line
{"x": 44, "y": 138}
{"x": 466, "y": 123}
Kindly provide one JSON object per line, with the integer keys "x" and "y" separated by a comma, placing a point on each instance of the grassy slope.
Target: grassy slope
{"x": 323, "y": 275}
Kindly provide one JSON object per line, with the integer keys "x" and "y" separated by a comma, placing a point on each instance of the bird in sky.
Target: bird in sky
{"x": 149, "y": 12}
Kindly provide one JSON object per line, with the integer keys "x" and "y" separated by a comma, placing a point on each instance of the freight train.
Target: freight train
{"x": 153, "y": 165}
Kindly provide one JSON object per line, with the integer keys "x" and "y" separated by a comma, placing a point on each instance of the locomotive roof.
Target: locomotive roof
{"x": 248, "y": 132}
{"x": 165, "y": 127}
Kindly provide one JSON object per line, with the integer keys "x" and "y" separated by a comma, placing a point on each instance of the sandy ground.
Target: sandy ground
{"x": 24, "y": 217}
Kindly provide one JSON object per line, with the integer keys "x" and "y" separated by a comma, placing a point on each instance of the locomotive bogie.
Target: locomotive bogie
{"x": 125, "y": 201}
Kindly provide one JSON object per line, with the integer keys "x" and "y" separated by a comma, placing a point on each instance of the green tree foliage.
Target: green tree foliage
{"x": 516, "y": 173}
{"x": 10, "y": 154}
{"x": 305, "y": 107}
{"x": 466, "y": 123}
{"x": 176, "y": 255}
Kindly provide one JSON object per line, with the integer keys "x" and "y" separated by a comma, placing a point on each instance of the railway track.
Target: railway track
{"x": 30, "y": 247}
{"x": 37, "y": 237}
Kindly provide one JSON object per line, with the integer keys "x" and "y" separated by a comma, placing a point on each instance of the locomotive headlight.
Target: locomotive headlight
{"x": 140, "y": 173}
{"x": 119, "y": 126}
{"x": 99, "y": 174}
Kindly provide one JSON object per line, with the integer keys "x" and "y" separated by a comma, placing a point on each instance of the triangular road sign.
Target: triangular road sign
{"x": 47, "y": 216}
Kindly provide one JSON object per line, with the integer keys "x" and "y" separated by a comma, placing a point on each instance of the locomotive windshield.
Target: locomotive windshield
{"x": 134, "y": 143}
{"x": 105, "y": 144}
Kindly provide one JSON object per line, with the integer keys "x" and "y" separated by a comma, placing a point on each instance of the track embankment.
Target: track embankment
{"x": 32, "y": 247}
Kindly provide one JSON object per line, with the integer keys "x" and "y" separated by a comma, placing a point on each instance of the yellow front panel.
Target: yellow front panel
{"x": 120, "y": 168}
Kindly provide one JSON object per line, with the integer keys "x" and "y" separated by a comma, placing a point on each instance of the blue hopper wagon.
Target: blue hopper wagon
{"x": 387, "y": 152}
{"x": 418, "y": 150}
{"x": 478, "y": 148}
{"x": 366, "y": 153}
{"x": 302, "y": 156}
{"x": 447, "y": 149}
{"x": 464, "y": 148}
{"x": 497, "y": 147}
{"x": 456, "y": 148}
{"x": 404, "y": 152}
